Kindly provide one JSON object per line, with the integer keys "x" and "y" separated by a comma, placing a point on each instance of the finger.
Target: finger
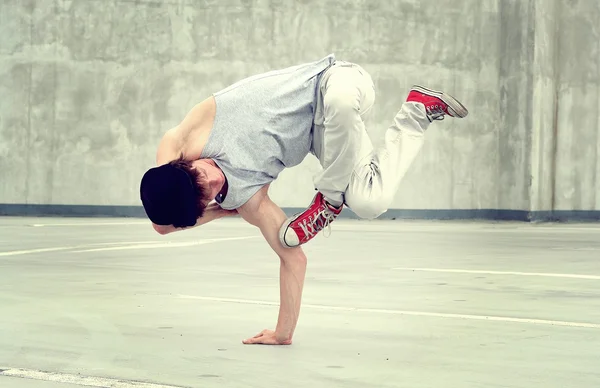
{"x": 253, "y": 340}
{"x": 259, "y": 335}
{"x": 265, "y": 332}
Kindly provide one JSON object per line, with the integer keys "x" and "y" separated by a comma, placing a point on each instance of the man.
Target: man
{"x": 231, "y": 146}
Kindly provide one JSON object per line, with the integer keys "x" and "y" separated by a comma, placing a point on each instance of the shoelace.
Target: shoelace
{"x": 312, "y": 226}
{"x": 436, "y": 113}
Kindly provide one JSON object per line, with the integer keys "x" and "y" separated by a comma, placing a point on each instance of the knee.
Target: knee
{"x": 367, "y": 207}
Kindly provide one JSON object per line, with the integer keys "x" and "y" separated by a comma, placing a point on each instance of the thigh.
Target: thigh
{"x": 351, "y": 81}
{"x": 345, "y": 99}
{"x": 367, "y": 88}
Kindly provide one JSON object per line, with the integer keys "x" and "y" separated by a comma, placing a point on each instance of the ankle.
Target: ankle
{"x": 334, "y": 206}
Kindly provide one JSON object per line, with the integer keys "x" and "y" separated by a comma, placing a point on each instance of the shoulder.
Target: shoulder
{"x": 195, "y": 128}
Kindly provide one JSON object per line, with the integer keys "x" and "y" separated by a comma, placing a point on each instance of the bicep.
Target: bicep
{"x": 179, "y": 141}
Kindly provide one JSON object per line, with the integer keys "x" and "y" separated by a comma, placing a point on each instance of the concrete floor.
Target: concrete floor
{"x": 111, "y": 299}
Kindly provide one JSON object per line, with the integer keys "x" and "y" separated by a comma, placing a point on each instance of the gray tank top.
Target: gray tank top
{"x": 263, "y": 124}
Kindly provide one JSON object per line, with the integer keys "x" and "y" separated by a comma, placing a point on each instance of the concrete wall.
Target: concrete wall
{"x": 566, "y": 100}
{"x": 87, "y": 89}
{"x": 578, "y": 113}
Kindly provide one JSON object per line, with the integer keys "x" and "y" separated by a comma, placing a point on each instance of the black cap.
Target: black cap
{"x": 169, "y": 196}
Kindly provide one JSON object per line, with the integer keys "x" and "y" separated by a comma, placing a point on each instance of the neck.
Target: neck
{"x": 221, "y": 194}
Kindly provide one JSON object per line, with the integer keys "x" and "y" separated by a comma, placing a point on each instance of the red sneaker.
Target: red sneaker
{"x": 301, "y": 228}
{"x": 437, "y": 104}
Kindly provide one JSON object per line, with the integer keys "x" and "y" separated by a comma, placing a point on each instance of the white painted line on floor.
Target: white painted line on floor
{"x": 115, "y": 246}
{"x": 164, "y": 244}
{"x": 93, "y": 224}
{"x": 402, "y": 312}
{"x": 120, "y": 243}
{"x": 554, "y": 275}
{"x": 55, "y": 249}
{"x": 40, "y": 250}
{"x": 87, "y": 381}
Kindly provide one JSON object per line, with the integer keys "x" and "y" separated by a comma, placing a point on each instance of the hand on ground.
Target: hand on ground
{"x": 267, "y": 337}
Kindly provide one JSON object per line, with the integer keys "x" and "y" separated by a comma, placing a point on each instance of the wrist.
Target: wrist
{"x": 283, "y": 338}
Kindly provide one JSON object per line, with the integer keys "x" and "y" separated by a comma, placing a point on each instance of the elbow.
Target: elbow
{"x": 161, "y": 229}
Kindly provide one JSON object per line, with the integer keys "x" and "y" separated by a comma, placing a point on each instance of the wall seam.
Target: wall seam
{"x": 556, "y": 75}
{"x": 30, "y": 86}
{"x": 529, "y": 138}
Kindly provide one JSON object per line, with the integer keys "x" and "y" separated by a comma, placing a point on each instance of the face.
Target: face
{"x": 211, "y": 176}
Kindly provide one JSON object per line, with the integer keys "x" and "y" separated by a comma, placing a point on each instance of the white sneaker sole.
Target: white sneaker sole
{"x": 283, "y": 232}
{"x": 454, "y": 106}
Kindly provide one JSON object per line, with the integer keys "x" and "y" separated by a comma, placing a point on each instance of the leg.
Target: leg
{"x": 377, "y": 178}
{"x": 346, "y": 96}
{"x": 373, "y": 182}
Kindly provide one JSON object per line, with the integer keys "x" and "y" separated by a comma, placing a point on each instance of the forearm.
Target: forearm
{"x": 211, "y": 214}
{"x": 291, "y": 283}
{"x": 266, "y": 215}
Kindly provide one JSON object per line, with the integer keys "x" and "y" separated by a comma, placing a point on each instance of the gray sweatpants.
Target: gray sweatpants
{"x": 364, "y": 178}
